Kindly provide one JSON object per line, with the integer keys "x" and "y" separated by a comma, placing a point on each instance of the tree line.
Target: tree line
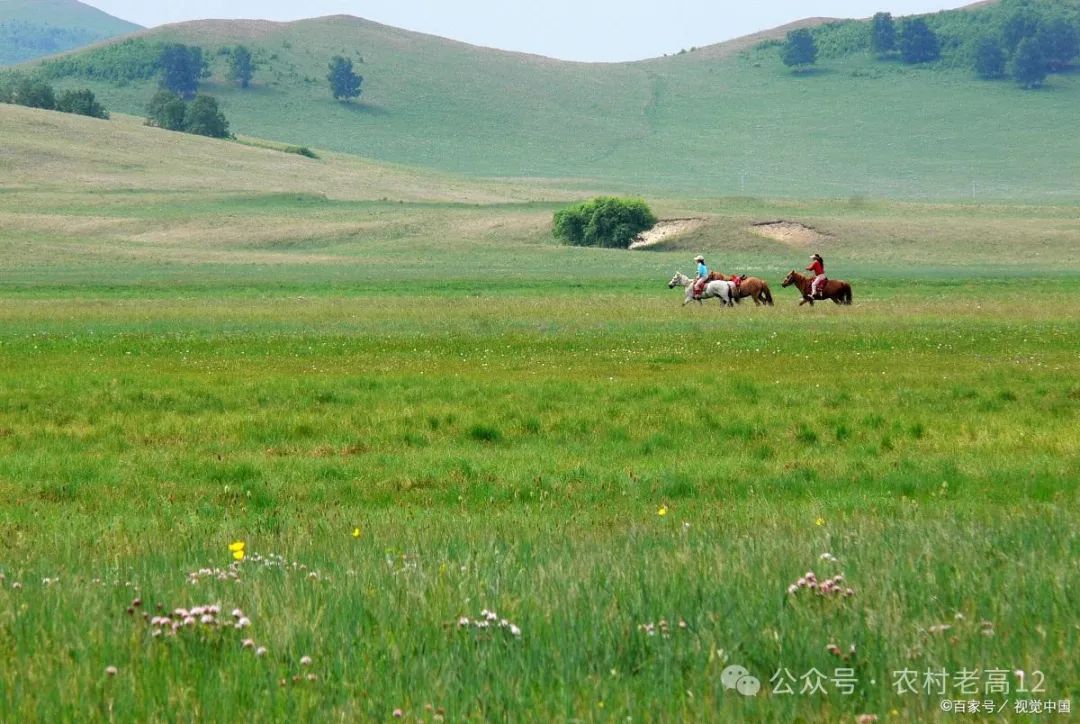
{"x": 36, "y": 93}
{"x": 1025, "y": 40}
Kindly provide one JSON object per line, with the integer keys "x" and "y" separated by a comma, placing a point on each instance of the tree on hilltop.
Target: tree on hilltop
{"x": 344, "y": 83}
{"x": 918, "y": 43}
{"x": 182, "y": 66}
{"x": 989, "y": 59}
{"x": 1022, "y": 23}
{"x": 1029, "y": 64}
{"x": 241, "y": 66}
{"x": 883, "y": 34}
{"x": 1059, "y": 42}
{"x": 800, "y": 50}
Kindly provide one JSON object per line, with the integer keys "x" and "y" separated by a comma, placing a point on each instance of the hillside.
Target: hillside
{"x": 62, "y": 153}
{"x": 34, "y": 28}
{"x": 722, "y": 120}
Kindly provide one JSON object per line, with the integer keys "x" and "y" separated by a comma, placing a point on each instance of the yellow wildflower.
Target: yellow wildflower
{"x": 662, "y": 511}
{"x": 356, "y": 533}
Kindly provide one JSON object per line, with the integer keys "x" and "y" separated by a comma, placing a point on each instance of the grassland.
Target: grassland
{"x": 724, "y": 120}
{"x": 288, "y": 351}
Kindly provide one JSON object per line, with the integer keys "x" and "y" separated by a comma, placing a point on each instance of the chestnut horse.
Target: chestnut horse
{"x": 756, "y": 289}
{"x": 835, "y": 289}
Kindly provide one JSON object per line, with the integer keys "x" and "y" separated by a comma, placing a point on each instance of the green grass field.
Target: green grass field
{"x": 400, "y": 385}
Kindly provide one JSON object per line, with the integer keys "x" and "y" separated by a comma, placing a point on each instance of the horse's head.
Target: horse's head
{"x": 789, "y": 279}
{"x": 677, "y": 281}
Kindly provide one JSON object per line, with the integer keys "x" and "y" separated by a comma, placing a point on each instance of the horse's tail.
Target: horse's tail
{"x": 847, "y": 294}
{"x": 766, "y": 293}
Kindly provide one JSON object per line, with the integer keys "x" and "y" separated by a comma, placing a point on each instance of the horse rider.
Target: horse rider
{"x": 817, "y": 265}
{"x": 702, "y": 276}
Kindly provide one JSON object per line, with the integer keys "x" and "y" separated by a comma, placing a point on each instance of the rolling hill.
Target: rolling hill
{"x": 722, "y": 120}
{"x": 62, "y": 153}
{"x": 34, "y": 28}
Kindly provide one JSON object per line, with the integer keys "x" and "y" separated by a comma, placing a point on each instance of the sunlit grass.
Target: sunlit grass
{"x": 513, "y": 454}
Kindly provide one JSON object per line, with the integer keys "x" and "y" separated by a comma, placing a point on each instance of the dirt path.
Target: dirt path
{"x": 789, "y": 232}
{"x": 666, "y": 229}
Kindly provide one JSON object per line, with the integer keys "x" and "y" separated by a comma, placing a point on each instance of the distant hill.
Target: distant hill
{"x": 722, "y": 120}
{"x": 60, "y": 151}
{"x": 35, "y": 28}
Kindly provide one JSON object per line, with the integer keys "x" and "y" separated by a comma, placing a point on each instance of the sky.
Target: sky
{"x": 585, "y": 30}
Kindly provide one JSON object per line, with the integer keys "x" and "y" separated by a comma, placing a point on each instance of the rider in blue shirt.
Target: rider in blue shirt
{"x": 702, "y": 275}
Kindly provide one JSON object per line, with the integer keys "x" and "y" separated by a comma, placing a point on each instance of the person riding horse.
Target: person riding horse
{"x": 817, "y": 265}
{"x": 702, "y": 276}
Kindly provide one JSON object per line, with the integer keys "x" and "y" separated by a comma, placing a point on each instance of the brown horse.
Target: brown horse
{"x": 756, "y": 289}
{"x": 835, "y": 289}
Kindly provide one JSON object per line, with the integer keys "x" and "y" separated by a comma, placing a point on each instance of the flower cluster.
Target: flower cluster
{"x": 249, "y": 561}
{"x": 204, "y": 618}
{"x": 489, "y": 619}
{"x": 232, "y": 573}
{"x": 661, "y": 627}
{"x": 829, "y": 587}
{"x": 274, "y": 561}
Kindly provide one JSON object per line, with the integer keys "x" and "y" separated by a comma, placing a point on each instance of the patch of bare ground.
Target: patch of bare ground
{"x": 789, "y": 232}
{"x": 664, "y": 230}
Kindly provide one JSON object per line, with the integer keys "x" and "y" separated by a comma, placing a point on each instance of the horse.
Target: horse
{"x": 756, "y": 289}
{"x": 835, "y": 289}
{"x": 722, "y": 290}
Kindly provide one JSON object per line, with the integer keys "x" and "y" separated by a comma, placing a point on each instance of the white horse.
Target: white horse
{"x": 724, "y": 291}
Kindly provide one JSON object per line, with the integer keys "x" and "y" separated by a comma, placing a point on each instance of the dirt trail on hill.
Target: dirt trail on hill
{"x": 666, "y": 229}
{"x": 789, "y": 232}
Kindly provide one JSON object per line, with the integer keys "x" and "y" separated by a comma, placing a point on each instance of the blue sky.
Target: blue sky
{"x": 591, "y": 30}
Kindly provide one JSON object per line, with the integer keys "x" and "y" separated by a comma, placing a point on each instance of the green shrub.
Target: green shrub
{"x": 201, "y": 117}
{"x": 34, "y": 93}
{"x": 989, "y": 59}
{"x": 166, "y": 110}
{"x": 800, "y": 50}
{"x": 918, "y": 43}
{"x": 301, "y": 151}
{"x": 605, "y": 221}
{"x": 1029, "y": 64}
{"x": 204, "y": 118}
{"x": 81, "y": 102}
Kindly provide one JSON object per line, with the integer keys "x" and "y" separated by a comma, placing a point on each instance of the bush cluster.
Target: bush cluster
{"x": 34, "y": 92}
{"x": 201, "y": 116}
{"x": 605, "y": 221}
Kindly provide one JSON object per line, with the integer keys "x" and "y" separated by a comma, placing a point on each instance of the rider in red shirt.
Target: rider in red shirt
{"x": 817, "y": 265}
